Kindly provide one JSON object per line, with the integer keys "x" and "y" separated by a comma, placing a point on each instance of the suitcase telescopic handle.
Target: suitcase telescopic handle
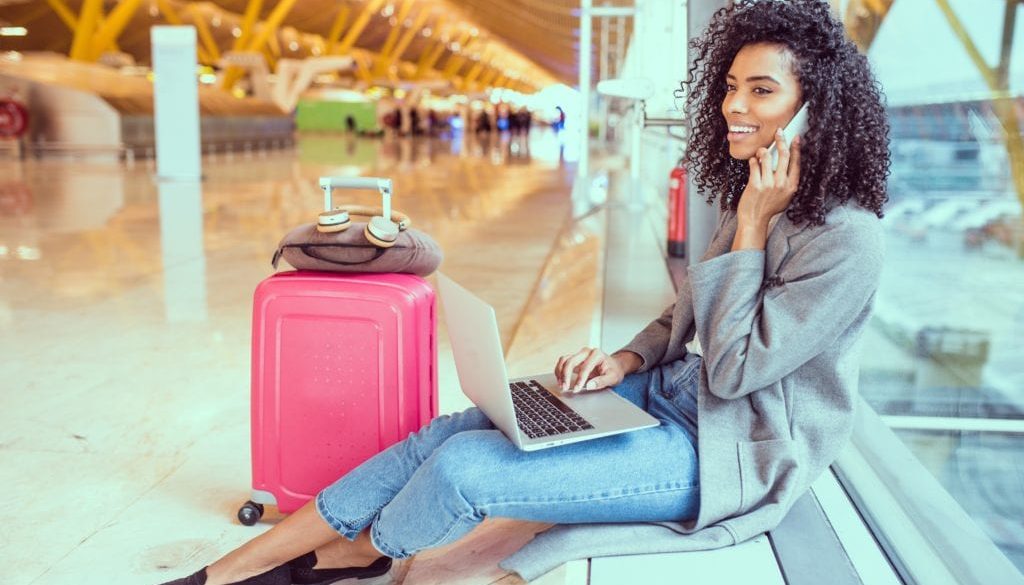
{"x": 329, "y": 184}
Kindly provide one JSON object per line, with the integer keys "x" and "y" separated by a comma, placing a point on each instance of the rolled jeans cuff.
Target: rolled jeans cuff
{"x": 377, "y": 540}
{"x": 349, "y": 531}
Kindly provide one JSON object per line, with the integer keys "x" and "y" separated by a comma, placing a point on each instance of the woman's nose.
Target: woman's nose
{"x": 735, "y": 106}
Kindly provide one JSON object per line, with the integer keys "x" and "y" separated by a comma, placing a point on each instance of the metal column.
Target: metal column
{"x": 587, "y": 14}
{"x": 602, "y": 75}
{"x": 583, "y": 166}
{"x": 701, "y": 218}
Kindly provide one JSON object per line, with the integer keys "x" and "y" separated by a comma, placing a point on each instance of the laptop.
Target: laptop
{"x": 531, "y": 411}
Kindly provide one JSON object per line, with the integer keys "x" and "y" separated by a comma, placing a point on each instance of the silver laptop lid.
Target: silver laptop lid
{"x": 479, "y": 361}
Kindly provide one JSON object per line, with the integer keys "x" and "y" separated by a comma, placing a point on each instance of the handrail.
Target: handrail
{"x": 927, "y": 534}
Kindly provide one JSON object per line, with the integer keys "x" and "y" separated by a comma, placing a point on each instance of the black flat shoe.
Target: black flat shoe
{"x": 277, "y": 576}
{"x": 303, "y": 572}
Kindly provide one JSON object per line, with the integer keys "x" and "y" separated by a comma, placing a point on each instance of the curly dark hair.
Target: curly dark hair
{"x": 845, "y": 152}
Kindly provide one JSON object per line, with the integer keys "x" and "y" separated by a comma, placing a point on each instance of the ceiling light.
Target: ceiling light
{"x": 388, "y": 10}
{"x": 294, "y": 45}
{"x": 236, "y": 32}
{"x": 13, "y": 31}
{"x": 427, "y": 32}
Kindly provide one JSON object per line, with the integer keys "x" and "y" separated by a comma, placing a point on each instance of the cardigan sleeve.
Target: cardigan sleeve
{"x": 751, "y": 340}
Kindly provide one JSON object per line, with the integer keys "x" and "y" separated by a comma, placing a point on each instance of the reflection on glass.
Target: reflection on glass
{"x": 947, "y": 340}
{"x": 982, "y": 471}
{"x": 181, "y": 245}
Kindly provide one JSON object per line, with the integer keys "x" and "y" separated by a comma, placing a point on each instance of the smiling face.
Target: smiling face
{"x": 762, "y": 95}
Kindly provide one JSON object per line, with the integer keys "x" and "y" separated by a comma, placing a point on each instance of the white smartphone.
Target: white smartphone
{"x": 796, "y": 127}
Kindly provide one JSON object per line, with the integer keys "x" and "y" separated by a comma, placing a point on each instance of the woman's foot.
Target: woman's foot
{"x": 304, "y": 573}
{"x": 277, "y": 576}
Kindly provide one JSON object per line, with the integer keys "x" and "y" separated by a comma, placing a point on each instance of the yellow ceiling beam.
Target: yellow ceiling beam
{"x": 863, "y": 19}
{"x": 998, "y": 82}
{"x": 267, "y": 32}
{"x": 350, "y": 38}
{"x": 363, "y": 63}
{"x": 428, "y": 59}
{"x": 171, "y": 16}
{"x": 965, "y": 39}
{"x": 116, "y": 21}
{"x": 431, "y": 54}
{"x": 455, "y": 62}
{"x": 474, "y": 72}
{"x": 64, "y": 13}
{"x": 203, "y": 30}
{"x": 269, "y": 28}
{"x": 336, "y": 27}
{"x": 274, "y": 44}
{"x": 389, "y": 43}
{"x": 168, "y": 11}
{"x": 67, "y": 16}
{"x": 271, "y": 51}
{"x": 92, "y": 11}
{"x": 489, "y": 77}
{"x": 406, "y": 39}
{"x": 249, "y": 18}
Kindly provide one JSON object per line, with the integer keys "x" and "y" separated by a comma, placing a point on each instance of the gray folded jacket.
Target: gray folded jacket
{"x": 305, "y": 248}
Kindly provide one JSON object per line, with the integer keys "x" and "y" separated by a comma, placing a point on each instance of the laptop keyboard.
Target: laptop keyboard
{"x": 539, "y": 414}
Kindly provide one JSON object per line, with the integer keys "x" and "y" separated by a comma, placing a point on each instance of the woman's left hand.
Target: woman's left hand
{"x": 769, "y": 192}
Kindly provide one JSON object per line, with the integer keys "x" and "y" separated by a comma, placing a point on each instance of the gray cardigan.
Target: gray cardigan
{"x": 780, "y": 330}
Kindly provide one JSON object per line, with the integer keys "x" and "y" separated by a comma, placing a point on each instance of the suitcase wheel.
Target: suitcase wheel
{"x": 250, "y": 513}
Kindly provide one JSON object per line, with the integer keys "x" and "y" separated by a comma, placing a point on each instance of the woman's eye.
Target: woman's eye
{"x": 762, "y": 91}
{"x": 730, "y": 87}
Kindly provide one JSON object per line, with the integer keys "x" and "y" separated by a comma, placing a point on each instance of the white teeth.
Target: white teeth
{"x": 747, "y": 129}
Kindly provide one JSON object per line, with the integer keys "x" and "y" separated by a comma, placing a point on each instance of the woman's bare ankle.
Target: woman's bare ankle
{"x": 223, "y": 573}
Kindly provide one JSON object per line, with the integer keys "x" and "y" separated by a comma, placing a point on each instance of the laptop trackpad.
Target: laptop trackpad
{"x": 599, "y": 407}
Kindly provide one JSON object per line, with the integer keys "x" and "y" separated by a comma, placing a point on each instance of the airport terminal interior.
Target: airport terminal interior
{"x": 538, "y": 142}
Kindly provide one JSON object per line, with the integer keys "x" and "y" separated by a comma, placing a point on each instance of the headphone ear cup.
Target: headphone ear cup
{"x": 381, "y": 232}
{"x": 333, "y": 221}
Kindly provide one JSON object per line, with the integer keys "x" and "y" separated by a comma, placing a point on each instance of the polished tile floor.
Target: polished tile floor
{"x": 125, "y": 331}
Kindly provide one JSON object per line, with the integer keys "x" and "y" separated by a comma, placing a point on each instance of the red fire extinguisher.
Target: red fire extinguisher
{"x": 677, "y": 212}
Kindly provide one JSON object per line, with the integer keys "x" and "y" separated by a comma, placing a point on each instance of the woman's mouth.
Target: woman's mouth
{"x": 738, "y": 132}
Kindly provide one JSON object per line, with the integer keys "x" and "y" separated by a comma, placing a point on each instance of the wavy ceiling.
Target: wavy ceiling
{"x": 535, "y": 40}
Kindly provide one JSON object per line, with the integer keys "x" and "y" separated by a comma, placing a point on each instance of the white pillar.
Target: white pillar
{"x": 602, "y": 75}
{"x": 583, "y": 166}
{"x": 176, "y": 103}
{"x": 181, "y": 250}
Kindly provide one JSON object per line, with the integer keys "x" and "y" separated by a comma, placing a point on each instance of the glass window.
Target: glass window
{"x": 943, "y": 361}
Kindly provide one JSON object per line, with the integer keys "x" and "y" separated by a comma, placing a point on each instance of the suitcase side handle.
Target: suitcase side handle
{"x": 329, "y": 184}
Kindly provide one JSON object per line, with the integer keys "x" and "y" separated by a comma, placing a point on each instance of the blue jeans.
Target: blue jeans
{"x": 436, "y": 485}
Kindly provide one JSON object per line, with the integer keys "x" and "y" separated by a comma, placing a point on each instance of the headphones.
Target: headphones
{"x": 385, "y": 223}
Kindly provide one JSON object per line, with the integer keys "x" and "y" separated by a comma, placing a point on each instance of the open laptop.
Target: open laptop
{"x": 531, "y": 411}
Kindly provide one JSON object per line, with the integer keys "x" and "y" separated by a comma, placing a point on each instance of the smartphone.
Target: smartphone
{"x": 796, "y": 127}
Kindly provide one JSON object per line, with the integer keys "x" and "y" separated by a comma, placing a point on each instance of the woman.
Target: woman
{"x": 752, "y": 371}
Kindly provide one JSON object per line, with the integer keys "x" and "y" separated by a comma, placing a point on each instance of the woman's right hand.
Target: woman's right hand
{"x": 589, "y": 369}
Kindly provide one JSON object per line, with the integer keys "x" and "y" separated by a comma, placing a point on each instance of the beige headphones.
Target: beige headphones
{"x": 385, "y": 223}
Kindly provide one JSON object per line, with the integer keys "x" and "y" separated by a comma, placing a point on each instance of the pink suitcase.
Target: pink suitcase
{"x": 343, "y": 365}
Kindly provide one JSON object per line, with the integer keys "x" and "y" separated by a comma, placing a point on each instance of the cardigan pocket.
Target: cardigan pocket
{"x": 764, "y": 466}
